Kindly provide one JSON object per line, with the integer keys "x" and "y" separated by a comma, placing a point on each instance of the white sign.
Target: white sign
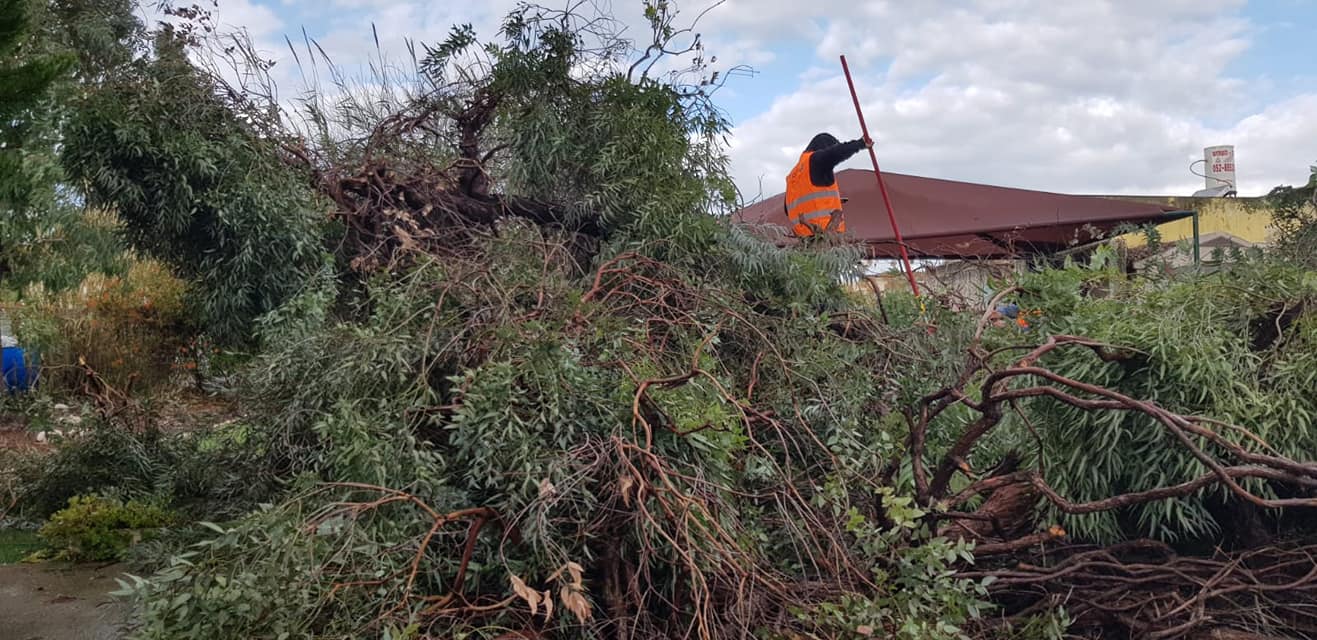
{"x": 1220, "y": 167}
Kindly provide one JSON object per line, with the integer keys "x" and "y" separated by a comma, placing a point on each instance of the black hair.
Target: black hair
{"x": 822, "y": 141}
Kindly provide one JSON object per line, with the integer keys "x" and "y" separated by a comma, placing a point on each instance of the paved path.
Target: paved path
{"x": 59, "y": 602}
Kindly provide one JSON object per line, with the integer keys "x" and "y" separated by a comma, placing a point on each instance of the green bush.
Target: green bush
{"x": 127, "y": 328}
{"x": 219, "y": 474}
{"x": 93, "y": 528}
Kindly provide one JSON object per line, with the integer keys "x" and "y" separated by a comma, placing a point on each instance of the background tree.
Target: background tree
{"x": 24, "y": 81}
{"x": 196, "y": 186}
{"x": 46, "y": 235}
{"x": 1294, "y": 217}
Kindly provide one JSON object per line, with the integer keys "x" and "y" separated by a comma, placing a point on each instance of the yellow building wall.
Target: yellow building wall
{"x": 1244, "y": 218}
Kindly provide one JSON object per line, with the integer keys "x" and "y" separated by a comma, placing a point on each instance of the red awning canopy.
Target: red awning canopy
{"x": 949, "y": 219}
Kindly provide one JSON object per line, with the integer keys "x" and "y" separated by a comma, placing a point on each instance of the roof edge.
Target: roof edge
{"x": 1166, "y": 217}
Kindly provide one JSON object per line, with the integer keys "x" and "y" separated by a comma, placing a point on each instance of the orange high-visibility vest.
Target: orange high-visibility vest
{"x": 807, "y": 203}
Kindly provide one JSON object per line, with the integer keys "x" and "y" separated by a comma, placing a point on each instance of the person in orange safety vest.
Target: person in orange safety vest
{"x": 813, "y": 202}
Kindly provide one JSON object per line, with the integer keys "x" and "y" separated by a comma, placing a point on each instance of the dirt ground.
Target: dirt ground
{"x": 59, "y": 602}
{"x": 15, "y": 435}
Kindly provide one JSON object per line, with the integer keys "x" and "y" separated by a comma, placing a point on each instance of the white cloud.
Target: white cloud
{"x": 1114, "y": 96}
{"x": 259, "y": 20}
{"x": 1111, "y": 97}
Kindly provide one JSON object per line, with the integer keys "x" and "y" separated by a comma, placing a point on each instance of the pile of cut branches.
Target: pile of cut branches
{"x": 1144, "y": 589}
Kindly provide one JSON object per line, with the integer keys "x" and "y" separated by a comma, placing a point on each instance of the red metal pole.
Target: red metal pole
{"x": 887, "y": 202}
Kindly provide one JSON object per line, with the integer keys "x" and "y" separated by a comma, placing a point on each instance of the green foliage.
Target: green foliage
{"x": 535, "y": 406}
{"x": 22, "y": 84}
{"x": 676, "y": 410}
{"x": 196, "y": 187}
{"x": 127, "y": 328}
{"x": 1239, "y": 345}
{"x": 583, "y": 130}
{"x": 93, "y": 528}
{"x": 56, "y": 245}
{"x": 668, "y": 417}
{"x": 699, "y": 412}
{"x": 27, "y": 168}
{"x": 17, "y": 544}
{"x": 1050, "y": 625}
{"x": 46, "y": 236}
{"x": 1294, "y": 218}
{"x": 923, "y": 598}
{"x": 104, "y": 461}
{"x": 102, "y": 35}
{"x": 251, "y": 580}
{"x": 218, "y": 475}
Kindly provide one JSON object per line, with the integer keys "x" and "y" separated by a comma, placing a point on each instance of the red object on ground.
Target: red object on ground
{"x": 882, "y": 188}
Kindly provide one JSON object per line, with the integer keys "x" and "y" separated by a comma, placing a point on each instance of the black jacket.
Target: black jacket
{"x": 825, "y": 160}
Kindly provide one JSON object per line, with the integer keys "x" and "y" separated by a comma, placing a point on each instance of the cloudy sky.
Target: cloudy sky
{"x": 1115, "y": 96}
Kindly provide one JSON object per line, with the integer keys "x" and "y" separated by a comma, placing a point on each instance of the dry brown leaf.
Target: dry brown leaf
{"x": 576, "y": 603}
{"x": 624, "y": 487}
{"x": 864, "y": 630}
{"x": 547, "y": 489}
{"x": 575, "y": 571}
{"x": 405, "y": 240}
{"x": 548, "y": 606}
{"x": 531, "y": 596}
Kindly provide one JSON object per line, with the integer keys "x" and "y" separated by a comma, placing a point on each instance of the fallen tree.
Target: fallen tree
{"x": 549, "y": 391}
{"x": 1139, "y": 587}
{"x": 641, "y": 453}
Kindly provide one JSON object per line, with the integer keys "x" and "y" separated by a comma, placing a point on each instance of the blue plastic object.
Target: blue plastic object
{"x": 17, "y": 376}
